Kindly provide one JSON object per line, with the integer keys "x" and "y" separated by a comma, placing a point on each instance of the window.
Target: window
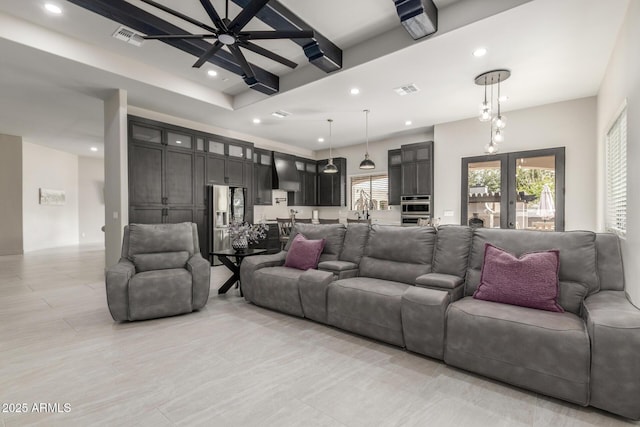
{"x": 370, "y": 192}
{"x": 616, "y": 148}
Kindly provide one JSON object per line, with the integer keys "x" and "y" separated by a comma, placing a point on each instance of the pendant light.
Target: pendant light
{"x": 497, "y": 122}
{"x": 367, "y": 163}
{"x": 330, "y": 167}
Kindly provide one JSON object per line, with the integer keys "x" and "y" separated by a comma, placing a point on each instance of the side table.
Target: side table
{"x": 224, "y": 257}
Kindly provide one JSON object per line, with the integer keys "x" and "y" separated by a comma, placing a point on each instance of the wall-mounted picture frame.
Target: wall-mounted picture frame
{"x": 52, "y": 197}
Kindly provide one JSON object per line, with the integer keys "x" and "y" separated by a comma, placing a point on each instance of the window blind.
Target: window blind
{"x": 370, "y": 191}
{"x": 616, "y": 167}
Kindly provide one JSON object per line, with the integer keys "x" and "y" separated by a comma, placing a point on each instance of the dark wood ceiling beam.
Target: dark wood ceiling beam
{"x": 418, "y": 17}
{"x": 320, "y": 51}
{"x": 140, "y": 20}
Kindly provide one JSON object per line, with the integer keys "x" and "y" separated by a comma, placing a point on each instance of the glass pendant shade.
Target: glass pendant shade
{"x": 498, "y": 136}
{"x": 367, "y": 163}
{"x": 491, "y": 148}
{"x": 485, "y": 111}
{"x": 330, "y": 167}
{"x": 500, "y": 121}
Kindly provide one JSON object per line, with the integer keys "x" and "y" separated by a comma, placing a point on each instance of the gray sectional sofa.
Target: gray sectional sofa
{"x": 413, "y": 286}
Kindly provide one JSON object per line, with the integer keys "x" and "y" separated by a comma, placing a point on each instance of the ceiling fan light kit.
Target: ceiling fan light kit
{"x": 499, "y": 121}
{"x": 229, "y": 33}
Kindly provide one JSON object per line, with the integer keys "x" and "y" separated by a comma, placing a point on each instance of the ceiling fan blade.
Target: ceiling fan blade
{"x": 242, "y": 62}
{"x": 180, "y": 36}
{"x": 213, "y": 14}
{"x": 284, "y": 34}
{"x": 267, "y": 53}
{"x": 180, "y": 15}
{"x": 208, "y": 54}
{"x": 247, "y": 13}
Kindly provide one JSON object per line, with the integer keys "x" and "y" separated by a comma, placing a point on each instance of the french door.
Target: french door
{"x": 522, "y": 190}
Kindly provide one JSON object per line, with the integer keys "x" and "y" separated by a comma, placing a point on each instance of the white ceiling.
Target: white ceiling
{"x": 54, "y": 70}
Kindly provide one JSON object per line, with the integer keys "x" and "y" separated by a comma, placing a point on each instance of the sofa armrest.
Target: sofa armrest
{"x": 200, "y": 270}
{"x": 423, "y": 312}
{"x": 313, "y": 285}
{"x": 253, "y": 263}
{"x": 449, "y": 283}
{"x": 117, "y": 283}
{"x": 614, "y": 328}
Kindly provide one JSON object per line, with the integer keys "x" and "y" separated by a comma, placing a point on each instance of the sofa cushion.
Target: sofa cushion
{"x": 332, "y": 233}
{"x": 578, "y": 264}
{"x": 355, "y": 241}
{"x": 154, "y": 238}
{"x": 528, "y": 281}
{"x": 398, "y": 253}
{"x": 540, "y": 350}
{"x": 452, "y": 250}
{"x": 304, "y": 253}
{"x": 367, "y": 306}
{"x": 160, "y": 293}
{"x": 160, "y": 261}
{"x": 277, "y": 288}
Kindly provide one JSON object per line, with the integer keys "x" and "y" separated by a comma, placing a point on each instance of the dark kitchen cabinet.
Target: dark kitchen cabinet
{"x": 200, "y": 167}
{"x": 262, "y": 177}
{"x": 179, "y": 178}
{"x": 307, "y": 177}
{"x": 394, "y": 169}
{"x": 215, "y": 170}
{"x": 417, "y": 169}
{"x": 332, "y": 188}
{"x": 235, "y": 172}
{"x": 145, "y": 174}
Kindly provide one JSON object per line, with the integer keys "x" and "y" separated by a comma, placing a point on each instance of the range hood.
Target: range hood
{"x": 284, "y": 173}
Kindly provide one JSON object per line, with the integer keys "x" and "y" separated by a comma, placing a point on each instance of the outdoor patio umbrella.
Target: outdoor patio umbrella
{"x": 546, "y": 208}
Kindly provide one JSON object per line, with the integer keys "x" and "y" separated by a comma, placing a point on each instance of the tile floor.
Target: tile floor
{"x": 231, "y": 364}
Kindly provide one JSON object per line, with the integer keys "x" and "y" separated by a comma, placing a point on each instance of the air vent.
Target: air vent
{"x": 406, "y": 89}
{"x": 128, "y": 35}
{"x": 281, "y": 114}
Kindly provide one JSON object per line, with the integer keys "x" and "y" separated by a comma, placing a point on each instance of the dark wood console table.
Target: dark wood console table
{"x": 224, "y": 257}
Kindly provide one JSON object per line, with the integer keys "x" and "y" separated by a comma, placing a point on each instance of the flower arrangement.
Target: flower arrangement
{"x": 244, "y": 233}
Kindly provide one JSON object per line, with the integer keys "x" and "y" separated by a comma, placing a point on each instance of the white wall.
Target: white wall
{"x": 11, "y": 195}
{"x": 46, "y": 226}
{"x": 570, "y": 124}
{"x": 622, "y": 81}
{"x": 90, "y": 200}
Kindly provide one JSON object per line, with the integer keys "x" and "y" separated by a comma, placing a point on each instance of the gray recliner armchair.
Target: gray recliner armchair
{"x": 160, "y": 273}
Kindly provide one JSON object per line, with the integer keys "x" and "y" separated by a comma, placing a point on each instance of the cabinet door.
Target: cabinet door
{"x": 146, "y": 175}
{"x": 215, "y": 170}
{"x": 263, "y": 191}
{"x": 409, "y": 179}
{"x": 145, "y": 215}
{"x": 200, "y": 180}
{"x": 248, "y": 182}
{"x": 325, "y": 186}
{"x": 309, "y": 189}
{"x": 201, "y": 222}
{"x": 176, "y": 215}
{"x": 179, "y": 178}
{"x": 235, "y": 172}
{"x": 423, "y": 177}
{"x": 395, "y": 176}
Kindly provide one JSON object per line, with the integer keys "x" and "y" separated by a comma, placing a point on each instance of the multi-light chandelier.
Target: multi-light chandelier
{"x": 498, "y": 121}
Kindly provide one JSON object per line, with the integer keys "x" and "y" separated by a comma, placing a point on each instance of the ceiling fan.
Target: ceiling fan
{"x": 229, "y": 33}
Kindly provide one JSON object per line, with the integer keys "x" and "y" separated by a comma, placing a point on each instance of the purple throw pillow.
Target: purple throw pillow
{"x": 304, "y": 254}
{"x": 528, "y": 281}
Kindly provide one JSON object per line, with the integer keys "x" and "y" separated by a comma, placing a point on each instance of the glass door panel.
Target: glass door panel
{"x": 535, "y": 193}
{"x": 484, "y": 190}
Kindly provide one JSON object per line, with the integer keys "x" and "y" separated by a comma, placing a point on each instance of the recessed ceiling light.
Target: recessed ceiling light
{"x": 503, "y": 98}
{"x": 256, "y": 121}
{"x": 94, "y": 148}
{"x": 320, "y": 139}
{"x": 178, "y": 142}
{"x": 212, "y": 73}
{"x": 55, "y": 9}
{"x": 479, "y": 52}
{"x": 408, "y": 123}
{"x": 354, "y": 91}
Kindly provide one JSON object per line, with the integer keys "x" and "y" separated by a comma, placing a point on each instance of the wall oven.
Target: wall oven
{"x": 415, "y": 208}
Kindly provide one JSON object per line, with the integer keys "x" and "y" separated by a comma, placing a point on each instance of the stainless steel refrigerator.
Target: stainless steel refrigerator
{"x": 225, "y": 204}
